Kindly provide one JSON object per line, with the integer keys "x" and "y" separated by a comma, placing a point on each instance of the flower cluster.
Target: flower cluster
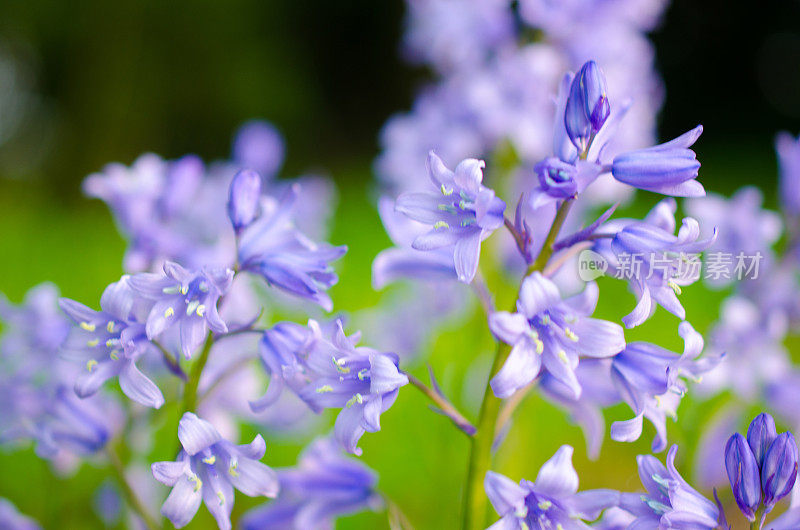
{"x": 223, "y": 256}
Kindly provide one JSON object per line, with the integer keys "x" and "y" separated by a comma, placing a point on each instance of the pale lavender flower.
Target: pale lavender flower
{"x": 779, "y": 469}
{"x": 107, "y": 343}
{"x": 587, "y": 107}
{"x": 185, "y": 300}
{"x": 259, "y": 146}
{"x": 404, "y": 261}
{"x": 454, "y": 34}
{"x": 552, "y": 501}
{"x": 208, "y": 469}
{"x": 244, "y": 198}
{"x": 743, "y": 474}
{"x": 274, "y": 249}
{"x": 462, "y": 213}
{"x": 648, "y": 377}
{"x": 669, "y": 502}
{"x": 654, "y": 261}
{"x": 324, "y": 485}
{"x": 12, "y": 519}
{"x": 37, "y": 401}
{"x": 549, "y": 334}
{"x": 327, "y": 370}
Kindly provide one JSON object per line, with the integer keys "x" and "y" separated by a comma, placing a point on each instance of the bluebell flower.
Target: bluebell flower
{"x": 12, "y": 519}
{"x": 587, "y": 107}
{"x": 37, "y": 401}
{"x": 185, "y": 300}
{"x": 779, "y": 470}
{"x": 327, "y": 370}
{"x": 208, "y": 469}
{"x": 324, "y": 485}
{"x": 552, "y": 501}
{"x": 244, "y": 198}
{"x": 669, "y": 502}
{"x": 788, "y": 149}
{"x": 273, "y": 248}
{"x": 743, "y": 474}
{"x": 259, "y": 146}
{"x": 548, "y": 333}
{"x": 648, "y": 378}
{"x": 669, "y": 168}
{"x": 655, "y": 262}
{"x": 402, "y": 260}
{"x": 107, "y": 343}
{"x": 462, "y": 214}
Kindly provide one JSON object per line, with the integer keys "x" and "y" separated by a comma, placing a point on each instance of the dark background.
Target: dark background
{"x": 111, "y": 80}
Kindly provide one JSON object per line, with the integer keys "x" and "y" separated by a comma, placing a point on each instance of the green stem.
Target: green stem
{"x": 547, "y": 247}
{"x": 190, "y": 390}
{"x": 130, "y": 496}
{"x": 480, "y": 458}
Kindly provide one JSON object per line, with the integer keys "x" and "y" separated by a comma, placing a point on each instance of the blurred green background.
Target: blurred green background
{"x": 86, "y": 83}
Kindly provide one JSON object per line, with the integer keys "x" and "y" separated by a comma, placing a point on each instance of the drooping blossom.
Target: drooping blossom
{"x": 462, "y": 213}
{"x": 552, "y": 501}
{"x": 548, "y": 333}
{"x": 109, "y": 342}
{"x": 324, "y": 485}
{"x": 648, "y": 377}
{"x": 327, "y": 370}
{"x": 655, "y": 262}
{"x": 273, "y": 248}
{"x": 184, "y": 299}
{"x": 669, "y": 501}
{"x": 37, "y": 401}
{"x": 257, "y": 145}
{"x": 208, "y": 469}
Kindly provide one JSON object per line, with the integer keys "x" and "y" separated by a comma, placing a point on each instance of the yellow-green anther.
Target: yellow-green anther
{"x": 570, "y": 335}
{"x": 232, "y": 470}
{"x": 340, "y": 367}
{"x": 539, "y": 346}
{"x": 358, "y": 398}
{"x": 210, "y": 460}
{"x": 110, "y": 343}
{"x": 445, "y": 191}
{"x": 201, "y": 310}
{"x": 88, "y": 326}
{"x": 563, "y": 356}
{"x": 324, "y": 388}
{"x": 545, "y": 505}
{"x": 363, "y": 374}
{"x": 192, "y": 307}
{"x": 221, "y": 498}
{"x": 675, "y": 287}
{"x": 175, "y": 289}
{"x": 110, "y": 326}
{"x": 203, "y": 287}
{"x": 92, "y": 343}
{"x": 444, "y": 207}
{"x": 546, "y": 320}
{"x": 169, "y": 312}
{"x": 184, "y": 289}
{"x": 197, "y": 482}
{"x": 114, "y": 355}
{"x": 441, "y": 224}
{"x": 90, "y": 364}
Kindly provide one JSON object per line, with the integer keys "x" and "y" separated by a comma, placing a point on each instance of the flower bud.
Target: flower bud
{"x": 587, "y": 106}
{"x": 779, "y": 470}
{"x": 743, "y": 475}
{"x": 243, "y": 198}
{"x": 760, "y": 435}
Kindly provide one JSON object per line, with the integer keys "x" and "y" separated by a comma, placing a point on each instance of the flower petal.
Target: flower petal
{"x": 504, "y": 494}
{"x": 521, "y": 367}
{"x": 139, "y": 388}
{"x": 196, "y": 434}
{"x": 182, "y": 503}
{"x": 536, "y": 294}
{"x": 557, "y": 477}
{"x": 466, "y": 256}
